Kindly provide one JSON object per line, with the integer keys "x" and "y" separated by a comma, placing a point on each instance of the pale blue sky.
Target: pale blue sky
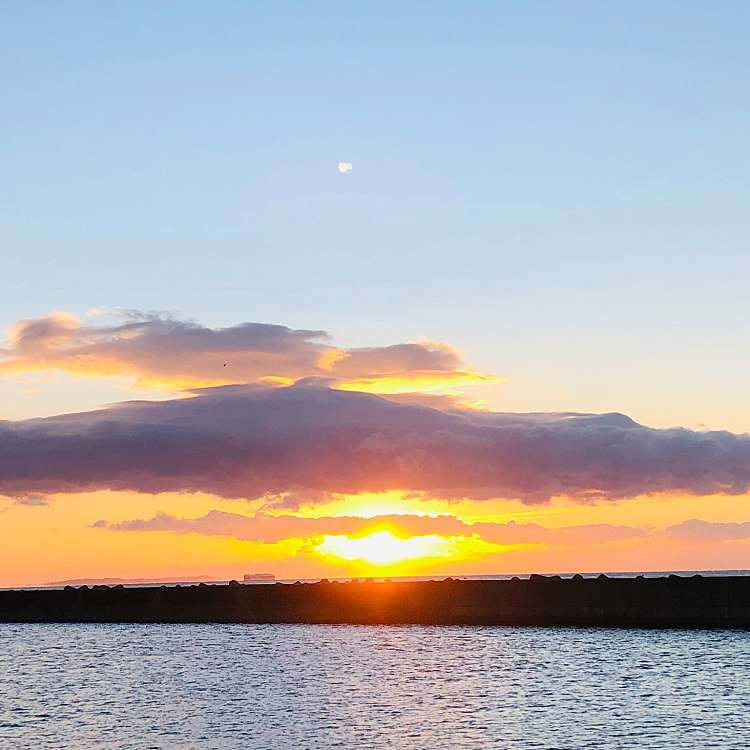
{"x": 560, "y": 189}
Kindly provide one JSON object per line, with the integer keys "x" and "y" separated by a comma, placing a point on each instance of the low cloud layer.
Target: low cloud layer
{"x": 696, "y": 530}
{"x": 158, "y": 350}
{"x": 263, "y": 527}
{"x": 252, "y": 441}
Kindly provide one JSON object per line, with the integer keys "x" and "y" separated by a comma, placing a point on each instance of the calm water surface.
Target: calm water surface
{"x": 319, "y": 687}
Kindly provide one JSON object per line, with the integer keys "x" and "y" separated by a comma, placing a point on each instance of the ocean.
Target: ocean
{"x": 319, "y": 687}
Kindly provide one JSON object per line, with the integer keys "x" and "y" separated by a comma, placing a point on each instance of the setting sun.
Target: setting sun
{"x": 385, "y": 548}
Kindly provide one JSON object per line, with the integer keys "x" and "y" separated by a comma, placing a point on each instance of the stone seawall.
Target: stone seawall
{"x": 715, "y": 602}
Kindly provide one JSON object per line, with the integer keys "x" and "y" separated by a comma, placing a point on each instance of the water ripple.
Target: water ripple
{"x": 217, "y": 687}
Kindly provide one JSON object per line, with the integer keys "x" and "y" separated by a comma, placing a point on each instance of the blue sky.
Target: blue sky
{"x": 558, "y": 189}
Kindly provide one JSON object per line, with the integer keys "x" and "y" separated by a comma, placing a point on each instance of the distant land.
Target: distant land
{"x": 115, "y": 581}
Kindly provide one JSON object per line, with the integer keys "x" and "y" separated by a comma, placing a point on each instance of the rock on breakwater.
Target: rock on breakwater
{"x": 541, "y": 600}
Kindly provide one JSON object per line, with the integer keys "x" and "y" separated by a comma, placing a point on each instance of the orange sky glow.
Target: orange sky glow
{"x": 118, "y": 528}
{"x": 59, "y": 541}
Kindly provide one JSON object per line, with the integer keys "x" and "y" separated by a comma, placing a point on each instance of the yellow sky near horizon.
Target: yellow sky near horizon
{"x": 58, "y": 542}
{"x": 62, "y": 364}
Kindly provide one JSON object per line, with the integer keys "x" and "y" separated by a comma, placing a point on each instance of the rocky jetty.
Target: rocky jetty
{"x": 684, "y": 602}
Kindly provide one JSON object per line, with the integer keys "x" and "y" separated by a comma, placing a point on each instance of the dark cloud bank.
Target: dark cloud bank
{"x": 251, "y": 441}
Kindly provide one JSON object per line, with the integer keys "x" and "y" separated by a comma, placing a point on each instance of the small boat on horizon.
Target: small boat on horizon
{"x": 253, "y": 577}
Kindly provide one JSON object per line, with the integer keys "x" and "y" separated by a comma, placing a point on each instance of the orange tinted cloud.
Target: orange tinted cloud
{"x": 269, "y": 529}
{"x": 404, "y": 367}
{"x": 695, "y": 530}
{"x": 161, "y": 351}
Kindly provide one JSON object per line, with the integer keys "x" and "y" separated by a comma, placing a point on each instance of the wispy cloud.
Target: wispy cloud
{"x": 263, "y": 527}
{"x": 31, "y": 500}
{"x": 695, "y": 530}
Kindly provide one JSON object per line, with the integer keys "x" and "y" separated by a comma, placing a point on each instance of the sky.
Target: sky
{"x": 545, "y": 214}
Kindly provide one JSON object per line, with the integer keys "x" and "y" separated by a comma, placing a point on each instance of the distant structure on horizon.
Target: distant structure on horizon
{"x": 254, "y": 577}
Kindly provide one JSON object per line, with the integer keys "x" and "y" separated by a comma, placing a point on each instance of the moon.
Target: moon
{"x": 344, "y": 167}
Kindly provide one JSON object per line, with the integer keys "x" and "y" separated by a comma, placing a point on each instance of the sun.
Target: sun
{"x": 384, "y": 548}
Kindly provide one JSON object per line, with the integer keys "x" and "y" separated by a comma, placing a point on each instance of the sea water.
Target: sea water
{"x": 273, "y": 687}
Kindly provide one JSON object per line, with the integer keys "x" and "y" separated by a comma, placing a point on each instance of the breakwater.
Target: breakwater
{"x": 671, "y": 601}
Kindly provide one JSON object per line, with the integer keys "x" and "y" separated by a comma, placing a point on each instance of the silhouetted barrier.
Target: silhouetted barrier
{"x": 716, "y": 602}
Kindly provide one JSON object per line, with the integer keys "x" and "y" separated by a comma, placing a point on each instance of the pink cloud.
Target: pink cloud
{"x": 695, "y": 530}
{"x": 160, "y": 350}
{"x": 263, "y": 527}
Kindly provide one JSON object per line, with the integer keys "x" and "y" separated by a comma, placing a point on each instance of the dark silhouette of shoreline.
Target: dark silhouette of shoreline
{"x": 126, "y": 581}
{"x": 670, "y": 601}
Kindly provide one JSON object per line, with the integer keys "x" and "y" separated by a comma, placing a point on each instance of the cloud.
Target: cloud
{"x": 696, "y": 530}
{"x": 396, "y": 368}
{"x": 270, "y": 529}
{"x": 31, "y": 500}
{"x": 254, "y": 441}
{"x": 159, "y": 350}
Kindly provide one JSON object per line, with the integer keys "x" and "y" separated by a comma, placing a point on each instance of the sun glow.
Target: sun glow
{"x": 385, "y": 548}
